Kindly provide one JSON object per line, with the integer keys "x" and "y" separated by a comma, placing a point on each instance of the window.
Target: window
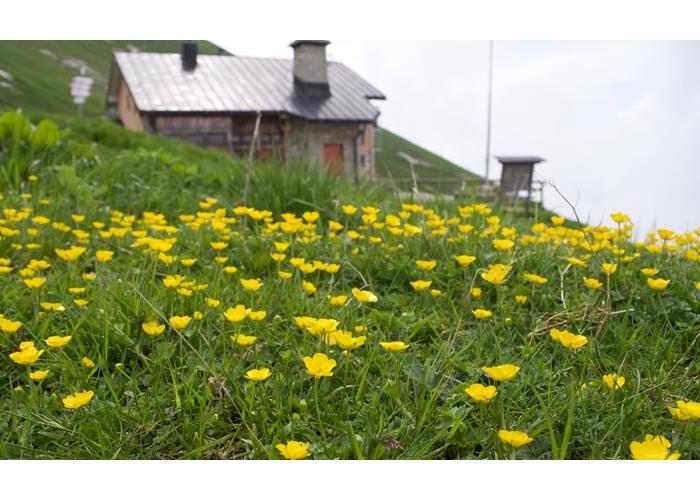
{"x": 216, "y": 139}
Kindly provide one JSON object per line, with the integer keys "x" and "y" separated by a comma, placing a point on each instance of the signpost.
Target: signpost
{"x": 80, "y": 87}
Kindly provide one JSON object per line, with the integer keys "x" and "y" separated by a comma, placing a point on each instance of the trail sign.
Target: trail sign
{"x": 80, "y": 87}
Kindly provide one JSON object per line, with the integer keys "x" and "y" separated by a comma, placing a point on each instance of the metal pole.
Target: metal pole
{"x": 488, "y": 116}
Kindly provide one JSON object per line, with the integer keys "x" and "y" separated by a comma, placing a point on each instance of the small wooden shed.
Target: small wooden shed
{"x": 516, "y": 177}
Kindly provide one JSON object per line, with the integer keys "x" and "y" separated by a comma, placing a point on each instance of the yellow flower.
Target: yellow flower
{"x": 294, "y": 450}
{"x": 188, "y": 262}
{"x": 257, "y": 315}
{"x": 180, "y": 322}
{"x": 284, "y": 275}
{"x": 213, "y": 302}
{"x": 244, "y": 340}
{"x": 87, "y": 362}
{"x": 421, "y": 285}
{"x": 619, "y": 217}
{"x": 8, "y": 326}
{"x": 251, "y": 284}
{"x": 435, "y": 293}
{"x": 77, "y": 399}
{"x": 395, "y": 346}
{"x": 70, "y": 254}
{"x": 503, "y": 244}
{"x": 520, "y": 299}
{"x": 230, "y": 269}
{"x": 104, "y": 255}
{"x": 258, "y": 375}
{"x": 55, "y": 341}
{"x": 25, "y": 345}
{"x": 475, "y": 292}
{"x": 556, "y": 220}
{"x": 153, "y": 328}
{"x": 481, "y": 393}
{"x": 364, "y": 295}
{"x": 575, "y": 262}
{"x": 218, "y": 245}
{"x": 278, "y": 257}
{"x": 52, "y": 306}
{"x": 568, "y": 339}
{"x": 308, "y": 287}
{"x": 497, "y": 274}
{"x": 614, "y": 381}
{"x": 592, "y": 283}
{"x": 515, "y": 439}
{"x": 465, "y": 260}
{"x": 653, "y": 448}
{"x": 649, "y": 272}
{"x": 337, "y": 300}
{"x": 426, "y": 265}
{"x": 236, "y": 314}
{"x": 349, "y": 209}
{"x": 34, "y": 282}
{"x": 536, "y": 279}
{"x": 501, "y": 373}
{"x": 281, "y": 246}
{"x": 38, "y": 375}
{"x": 686, "y": 410}
{"x": 482, "y": 313}
{"x": 76, "y": 290}
{"x": 319, "y": 366}
{"x": 346, "y": 341}
{"x": 658, "y": 283}
{"x": 26, "y": 356}
{"x": 609, "y": 268}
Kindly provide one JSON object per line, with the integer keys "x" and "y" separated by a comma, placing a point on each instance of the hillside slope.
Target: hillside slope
{"x": 35, "y": 76}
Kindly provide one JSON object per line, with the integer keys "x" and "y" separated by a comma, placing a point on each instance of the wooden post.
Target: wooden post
{"x": 251, "y": 155}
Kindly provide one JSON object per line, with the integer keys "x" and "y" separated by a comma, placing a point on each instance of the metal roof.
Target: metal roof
{"x": 231, "y": 84}
{"x": 519, "y": 159}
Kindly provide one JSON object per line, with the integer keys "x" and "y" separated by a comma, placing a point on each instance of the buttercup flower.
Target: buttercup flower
{"x": 251, "y": 284}
{"x": 180, "y": 322}
{"x": 649, "y": 272}
{"x": 258, "y": 375}
{"x": 77, "y": 399}
{"x": 515, "y": 439}
{"x": 236, "y": 314}
{"x": 426, "y": 265}
{"x": 535, "y": 278}
{"x": 87, "y": 362}
{"x": 294, "y": 450}
{"x": 364, "y": 295}
{"x": 465, "y": 260}
{"x": 337, "y": 300}
{"x": 244, "y": 340}
{"x": 501, "y": 373}
{"x": 421, "y": 285}
{"x": 153, "y": 328}
{"x": 592, "y": 283}
{"x": 395, "y": 346}
{"x": 104, "y": 255}
{"x": 38, "y": 375}
{"x": 613, "y": 381}
{"x": 520, "y": 299}
{"x": 481, "y": 393}
{"x": 608, "y": 268}
{"x": 319, "y": 365}
{"x": 8, "y": 326}
{"x": 482, "y": 313}
{"x": 346, "y": 341}
{"x": 653, "y": 448}
{"x": 686, "y": 410}
{"x": 657, "y": 284}
{"x": 56, "y": 341}
{"x": 34, "y": 282}
{"x": 568, "y": 339}
{"x": 26, "y": 356}
{"x": 497, "y": 274}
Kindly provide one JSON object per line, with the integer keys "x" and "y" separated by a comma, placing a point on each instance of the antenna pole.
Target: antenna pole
{"x": 488, "y": 116}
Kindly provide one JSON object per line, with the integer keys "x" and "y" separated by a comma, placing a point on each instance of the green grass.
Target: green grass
{"x": 182, "y": 394}
{"x": 442, "y": 177}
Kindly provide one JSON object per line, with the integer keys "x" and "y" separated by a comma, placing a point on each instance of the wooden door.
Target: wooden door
{"x": 333, "y": 158}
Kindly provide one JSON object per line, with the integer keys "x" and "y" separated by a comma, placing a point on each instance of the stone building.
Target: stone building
{"x": 309, "y": 108}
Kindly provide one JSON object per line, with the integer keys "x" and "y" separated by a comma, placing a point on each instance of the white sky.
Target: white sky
{"x": 618, "y": 122}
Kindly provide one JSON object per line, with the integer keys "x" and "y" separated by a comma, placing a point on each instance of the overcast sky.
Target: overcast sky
{"x": 618, "y": 122}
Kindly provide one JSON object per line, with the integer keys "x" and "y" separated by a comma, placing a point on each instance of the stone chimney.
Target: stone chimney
{"x": 189, "y": 56}
{"x": 311, "y": 68}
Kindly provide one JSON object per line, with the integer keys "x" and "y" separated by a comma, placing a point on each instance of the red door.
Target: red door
{"x": 333, "y": 158}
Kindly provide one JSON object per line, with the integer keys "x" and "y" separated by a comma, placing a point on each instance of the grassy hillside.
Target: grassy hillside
{"x": 35, "y": 75}
{"x": 442, "y": 177}
{"x": 146, "y": 315}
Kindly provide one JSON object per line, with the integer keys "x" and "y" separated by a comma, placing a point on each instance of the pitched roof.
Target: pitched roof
{"x": 231, "y": 84}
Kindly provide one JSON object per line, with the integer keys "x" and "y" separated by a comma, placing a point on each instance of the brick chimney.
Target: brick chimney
{"x": 311, "y": 68}
{"x": 189, "y": 56}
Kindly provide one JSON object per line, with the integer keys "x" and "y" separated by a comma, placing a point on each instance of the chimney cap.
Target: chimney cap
{"x": 309, "y": 42}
